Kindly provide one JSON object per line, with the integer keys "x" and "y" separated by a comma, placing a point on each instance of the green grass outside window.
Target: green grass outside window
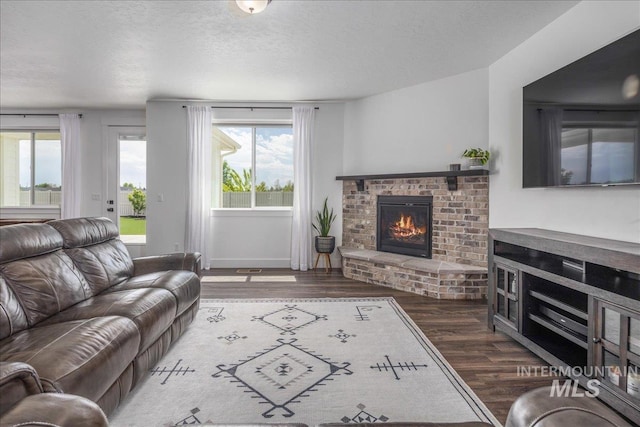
{"x": 133, "y": 226}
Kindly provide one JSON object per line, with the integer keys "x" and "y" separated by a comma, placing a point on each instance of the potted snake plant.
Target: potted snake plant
{"x": 324, "y": 243}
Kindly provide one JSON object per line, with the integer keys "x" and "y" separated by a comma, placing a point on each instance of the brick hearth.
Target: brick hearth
{"x": 460, "y": 230}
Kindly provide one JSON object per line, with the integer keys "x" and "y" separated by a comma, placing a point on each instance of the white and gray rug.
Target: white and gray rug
{"x": 310, "y": 361}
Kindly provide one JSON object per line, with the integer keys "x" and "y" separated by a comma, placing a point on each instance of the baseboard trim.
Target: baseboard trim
{"x": 251, "y": 263}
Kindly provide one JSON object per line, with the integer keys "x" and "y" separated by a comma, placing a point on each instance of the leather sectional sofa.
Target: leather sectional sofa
{"x": 81, "y": 322}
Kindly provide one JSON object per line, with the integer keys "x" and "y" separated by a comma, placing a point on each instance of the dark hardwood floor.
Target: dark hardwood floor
{"x": 487, "y": 361}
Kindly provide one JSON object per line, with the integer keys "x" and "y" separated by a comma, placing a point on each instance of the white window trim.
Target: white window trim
{"x": 34, "y": 212}
{"x": 257, "y": 210}
{"x": 273, "y": 211}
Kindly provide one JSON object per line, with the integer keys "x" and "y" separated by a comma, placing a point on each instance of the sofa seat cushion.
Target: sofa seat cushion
{"x": 83, "y": 357}
{"x": 152, "y": 311}
{"x": 184, "y": 285}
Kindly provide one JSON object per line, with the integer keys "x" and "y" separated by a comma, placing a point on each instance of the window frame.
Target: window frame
{"x": 253, "y": 125}
{"x": 43, "y": 210}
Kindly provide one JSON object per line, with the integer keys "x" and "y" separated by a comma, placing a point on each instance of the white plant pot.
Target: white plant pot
{"x": 475, "y": 163}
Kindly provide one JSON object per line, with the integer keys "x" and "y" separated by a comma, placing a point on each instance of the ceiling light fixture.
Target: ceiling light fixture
{"x": 253, "y": 6}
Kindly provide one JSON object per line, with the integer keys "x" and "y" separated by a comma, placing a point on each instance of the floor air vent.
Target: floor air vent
{"x": 249, "y": 270}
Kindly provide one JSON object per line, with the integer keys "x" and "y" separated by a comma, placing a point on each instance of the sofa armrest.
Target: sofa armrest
{"x": 178, "y": 261}
{"x": 17, "y": 381}
{"x": 53, "y": 410}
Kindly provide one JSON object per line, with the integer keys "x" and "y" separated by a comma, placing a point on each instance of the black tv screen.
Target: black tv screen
{"x": 581, "y": 124}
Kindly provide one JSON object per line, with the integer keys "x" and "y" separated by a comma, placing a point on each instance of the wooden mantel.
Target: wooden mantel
{"x": 451, "y": 176}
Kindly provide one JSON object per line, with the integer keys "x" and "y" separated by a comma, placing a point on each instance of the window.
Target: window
{"x": 31, "y": 168}
{"x": 253, "y": 166}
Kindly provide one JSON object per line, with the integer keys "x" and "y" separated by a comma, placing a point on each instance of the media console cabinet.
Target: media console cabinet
{"x": 575, "y": 302}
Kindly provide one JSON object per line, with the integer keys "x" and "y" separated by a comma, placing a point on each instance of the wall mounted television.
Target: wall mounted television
{"x": 581, "y": 123}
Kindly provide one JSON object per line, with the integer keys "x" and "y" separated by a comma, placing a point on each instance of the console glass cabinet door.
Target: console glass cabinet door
{"x": 506, "y": 296}
{"x": 617, "y": 349}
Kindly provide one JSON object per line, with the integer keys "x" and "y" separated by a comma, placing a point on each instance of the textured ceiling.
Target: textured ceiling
{"x": 122, "y": 53}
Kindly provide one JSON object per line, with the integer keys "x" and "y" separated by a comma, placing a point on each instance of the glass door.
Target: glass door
{"x": 617, "y": 349}
{"x": 127, "y": 182}
{"x": 506, "y": 297}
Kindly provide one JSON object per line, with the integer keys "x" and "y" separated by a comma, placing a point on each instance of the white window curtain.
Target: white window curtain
{"x": 70, "y": 142}
{"x": 303, "y": 125}
{"x": 198, "y": 224}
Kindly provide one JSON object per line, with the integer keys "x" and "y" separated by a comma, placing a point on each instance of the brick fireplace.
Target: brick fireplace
{"x": 459, "y": 231}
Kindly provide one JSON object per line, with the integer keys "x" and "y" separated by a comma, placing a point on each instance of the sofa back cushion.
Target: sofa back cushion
{"x": 27, "y": 240}
{"x": 37, "y": 279}
{"x": 96, "y": 250}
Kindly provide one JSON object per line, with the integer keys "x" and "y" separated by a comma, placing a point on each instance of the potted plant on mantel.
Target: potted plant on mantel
{"x": 478, "y": 157}
{"x": 324, "y": 243}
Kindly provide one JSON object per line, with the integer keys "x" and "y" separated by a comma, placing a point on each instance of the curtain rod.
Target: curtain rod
{"x": 255, "y": 108}
{"x": 602, "y": 110}
{"x": 33, "y": 114}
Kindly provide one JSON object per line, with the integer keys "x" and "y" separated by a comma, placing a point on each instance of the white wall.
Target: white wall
{"x": 326, "y": 164}
{"x": 166, "y": 176}
{"x": 419, "y": 128}
{"x": 249, "y": 239}
{"x": 612, "y": 212}
{"x": 240, "y": 238}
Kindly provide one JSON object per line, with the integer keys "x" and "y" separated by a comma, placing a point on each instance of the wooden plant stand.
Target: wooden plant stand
{"x": 327, "y": 262}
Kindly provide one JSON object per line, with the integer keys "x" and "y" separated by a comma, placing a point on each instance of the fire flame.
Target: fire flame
{"x": 405, "y": 228}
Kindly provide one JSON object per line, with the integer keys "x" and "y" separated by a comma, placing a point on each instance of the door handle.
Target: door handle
{"x": 109, "y": 209}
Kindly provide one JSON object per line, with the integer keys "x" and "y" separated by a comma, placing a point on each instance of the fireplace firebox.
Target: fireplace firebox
{"x": 404, "y": 225}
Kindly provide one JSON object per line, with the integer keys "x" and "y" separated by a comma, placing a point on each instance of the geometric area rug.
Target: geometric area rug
{"x": 311, "y": 361}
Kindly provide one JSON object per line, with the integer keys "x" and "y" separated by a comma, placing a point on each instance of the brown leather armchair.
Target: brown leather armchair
{"x": 23, "y": 402}
{"x": 540, "y": 408}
